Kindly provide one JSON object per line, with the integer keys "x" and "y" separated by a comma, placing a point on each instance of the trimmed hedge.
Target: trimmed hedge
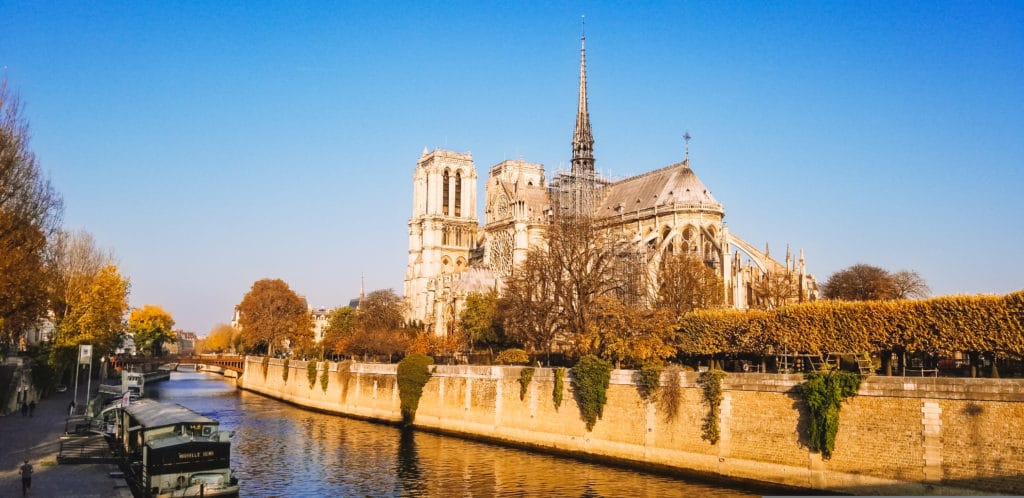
{"x": 512, "y": 357}
{"x": 941, "y": 325}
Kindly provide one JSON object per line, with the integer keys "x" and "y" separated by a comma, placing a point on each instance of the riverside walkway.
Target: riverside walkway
{"x": 37, "y": 439}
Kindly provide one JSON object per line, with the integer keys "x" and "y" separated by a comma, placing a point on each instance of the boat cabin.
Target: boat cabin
{"x": 171, "y": 450}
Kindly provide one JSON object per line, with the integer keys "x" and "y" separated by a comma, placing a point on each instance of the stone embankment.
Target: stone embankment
{"x": 898, "y": 436}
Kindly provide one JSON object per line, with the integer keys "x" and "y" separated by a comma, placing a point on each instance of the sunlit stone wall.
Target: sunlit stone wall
{"x": 900, "y": 435}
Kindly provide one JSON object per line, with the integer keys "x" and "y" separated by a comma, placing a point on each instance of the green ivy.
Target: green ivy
{"x": 649, "y": 381}
{"x": 671, "y": 395}
{"x": 824, "y": 392}
{"x": 284, "y": 373}
{"x": 525, "y": 376}
{"x": 711, "y": 383}
{"x": 344, "y": 375}
{"x": 266, "y": 366}
{"x": 311, "y": 372}
{"x": 324, "y": 377}
{"x": 413, "y": 374}
{"x": 592, "y": 375}
{"x": 556, "y": 393}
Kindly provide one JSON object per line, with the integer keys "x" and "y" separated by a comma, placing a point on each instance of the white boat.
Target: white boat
{"x": 133, "y": 383}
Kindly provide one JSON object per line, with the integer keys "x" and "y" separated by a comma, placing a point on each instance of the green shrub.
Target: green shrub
{"x": 649, "y": 381}
{"x": 284, "y": 373}
{"x": 556, "y": 393}
{"x": 311, "y": 372}
{"x": 671, "y": 395}
{"x": 413, "y": 374}
{"x": 711, "y": 383}
{"x": 592, "y": 375}
{"x": 824, "y": 392}
{"x": 512, "y": 357}
{"x": 525, "y": 376}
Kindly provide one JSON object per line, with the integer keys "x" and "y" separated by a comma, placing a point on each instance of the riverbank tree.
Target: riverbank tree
{"x": 272, "y": 316}
{"x": 30, "y": 212}
{"x": 378, "y": 327}
{"x": 222, "y": 338}
{"x": 863, "y": 282}
{"x": 151, "y": 327}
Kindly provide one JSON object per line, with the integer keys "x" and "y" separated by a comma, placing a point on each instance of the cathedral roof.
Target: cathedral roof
{"x": 672, "y": 185}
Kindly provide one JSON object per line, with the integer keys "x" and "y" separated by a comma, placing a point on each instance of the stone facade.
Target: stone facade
{"x": 664, "y": 211}
{"x": 442, "y": 235}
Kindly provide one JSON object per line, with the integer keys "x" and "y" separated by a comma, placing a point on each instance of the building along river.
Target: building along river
{"x": 282, "y": 450}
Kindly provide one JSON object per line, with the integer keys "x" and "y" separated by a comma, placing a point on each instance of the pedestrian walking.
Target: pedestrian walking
{"x": 26, "y": 477}
{"x": 31, "y": 408}
{"x": 71, "y": 408}
{"x": 24, "y": 408}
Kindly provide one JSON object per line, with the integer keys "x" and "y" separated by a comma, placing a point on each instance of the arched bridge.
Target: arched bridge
{"x": 232, "y": 362}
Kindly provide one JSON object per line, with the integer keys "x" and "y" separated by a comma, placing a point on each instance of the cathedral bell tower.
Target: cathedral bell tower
{"x": 442, "y": 233}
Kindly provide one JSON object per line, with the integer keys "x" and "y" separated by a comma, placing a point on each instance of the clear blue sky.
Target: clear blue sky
{"x": 211, "y": 144}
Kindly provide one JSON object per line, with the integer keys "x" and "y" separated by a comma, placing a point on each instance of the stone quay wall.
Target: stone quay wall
{"x": 898, "y": 436}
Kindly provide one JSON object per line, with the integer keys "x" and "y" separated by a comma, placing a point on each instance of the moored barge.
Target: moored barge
{"x": 171, "y": 451}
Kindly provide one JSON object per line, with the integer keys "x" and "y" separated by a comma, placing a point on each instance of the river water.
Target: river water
{"x": 282, "y": 450}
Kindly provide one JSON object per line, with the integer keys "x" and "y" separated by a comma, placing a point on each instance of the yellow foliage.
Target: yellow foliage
{"x": 942, "y": 325}
{"x": 98, "y": 314}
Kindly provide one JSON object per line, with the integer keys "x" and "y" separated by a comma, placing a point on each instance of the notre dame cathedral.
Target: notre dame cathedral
{"x": 667, "y": 210}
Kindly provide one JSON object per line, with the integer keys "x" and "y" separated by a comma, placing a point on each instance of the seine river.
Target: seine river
{"x": 282, "y": 450}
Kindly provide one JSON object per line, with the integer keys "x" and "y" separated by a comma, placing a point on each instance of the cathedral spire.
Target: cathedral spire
{"x": 582, "y": 139}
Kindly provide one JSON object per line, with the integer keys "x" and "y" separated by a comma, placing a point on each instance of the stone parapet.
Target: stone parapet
{"x": 899, "y": 436}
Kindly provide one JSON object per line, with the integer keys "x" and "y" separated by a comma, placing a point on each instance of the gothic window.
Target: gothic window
{"x": 501, "y": 253}
{"x": 444, "y": 193}
{"x": 444, "y": 236}
{"x": 458, "y": 193}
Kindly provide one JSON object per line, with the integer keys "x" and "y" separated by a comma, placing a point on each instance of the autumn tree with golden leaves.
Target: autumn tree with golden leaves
{"x": 222, "y": 338}
{"x": 30, "y": 212}
{"x": 151, "y": 327}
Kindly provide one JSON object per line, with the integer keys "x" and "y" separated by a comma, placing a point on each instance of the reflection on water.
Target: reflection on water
{"x": 282, "y": 450}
